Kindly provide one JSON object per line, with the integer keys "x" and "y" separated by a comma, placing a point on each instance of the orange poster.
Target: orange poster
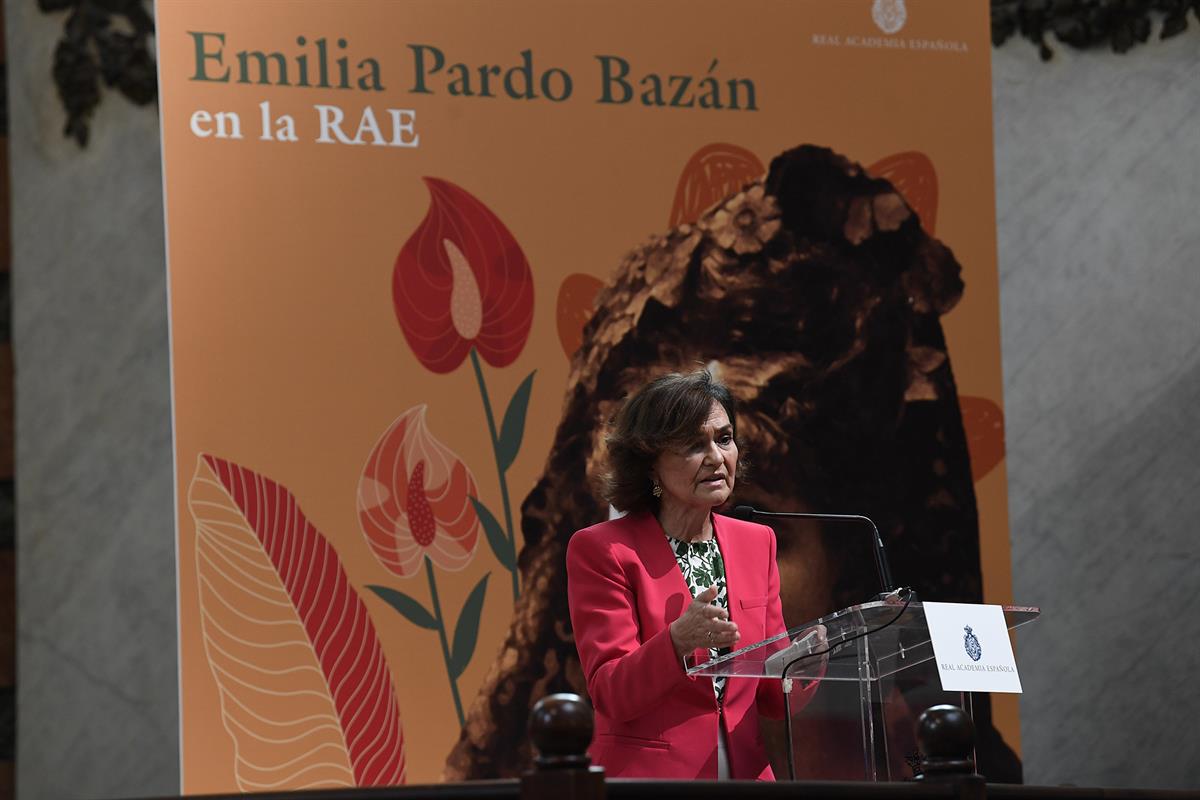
{"x": 419, "y": 250}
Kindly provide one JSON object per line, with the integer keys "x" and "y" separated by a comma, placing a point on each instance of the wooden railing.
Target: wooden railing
{"x": 561, "y": 730}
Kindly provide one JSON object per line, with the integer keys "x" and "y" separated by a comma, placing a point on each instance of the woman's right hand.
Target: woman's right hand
{"x": 703, "y": 625}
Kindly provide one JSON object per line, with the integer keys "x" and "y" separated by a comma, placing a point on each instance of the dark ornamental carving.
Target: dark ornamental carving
{"x": 1084, "y": 24}
{"x": 109, "y": 41}
{"x": 105, "y": 41}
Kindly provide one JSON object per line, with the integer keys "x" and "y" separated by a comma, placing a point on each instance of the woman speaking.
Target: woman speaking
{"x": 670, "y": 578}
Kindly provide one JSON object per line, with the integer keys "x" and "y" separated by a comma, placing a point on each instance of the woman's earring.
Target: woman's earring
{"x": 657, "y": 490}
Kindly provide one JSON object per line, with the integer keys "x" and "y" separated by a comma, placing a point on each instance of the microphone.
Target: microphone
{"x": 881, "y": 563}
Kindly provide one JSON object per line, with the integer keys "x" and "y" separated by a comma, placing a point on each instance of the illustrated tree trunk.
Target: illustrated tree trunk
{"x": 815, "y": 295}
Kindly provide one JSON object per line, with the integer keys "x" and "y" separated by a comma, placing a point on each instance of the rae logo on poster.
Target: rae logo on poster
{"x": 889, "y": 15}
{"x": 971, "y": 645}
{"x": 890, "y": 18}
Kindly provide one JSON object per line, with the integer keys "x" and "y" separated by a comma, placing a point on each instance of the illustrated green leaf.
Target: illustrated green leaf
{"x": 409, "y": 608}
{"x": 495, "y": 535}
{"x": 466, "y": 630}
{"x": 512, "y": 430}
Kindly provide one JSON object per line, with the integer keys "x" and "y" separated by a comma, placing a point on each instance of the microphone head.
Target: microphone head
{"x": 742, "y": 512}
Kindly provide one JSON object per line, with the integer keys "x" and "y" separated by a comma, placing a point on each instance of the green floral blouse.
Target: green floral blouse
{"x": 702, "y": 567}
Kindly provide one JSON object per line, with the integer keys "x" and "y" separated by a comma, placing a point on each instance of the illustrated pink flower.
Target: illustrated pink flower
{"x": 414, "y": 500}
{"x": 462, "y": 281}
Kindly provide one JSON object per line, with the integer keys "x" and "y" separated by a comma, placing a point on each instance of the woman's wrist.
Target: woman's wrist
{"x": 672, "y": 629}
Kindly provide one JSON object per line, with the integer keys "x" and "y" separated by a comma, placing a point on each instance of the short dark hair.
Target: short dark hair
{"x": 666, "y": 413}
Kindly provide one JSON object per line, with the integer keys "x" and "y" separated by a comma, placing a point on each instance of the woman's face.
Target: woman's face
{"x": 701, "y": 473}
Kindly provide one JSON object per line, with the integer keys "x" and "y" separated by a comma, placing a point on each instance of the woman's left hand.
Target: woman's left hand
{"x": 703, "y": 625}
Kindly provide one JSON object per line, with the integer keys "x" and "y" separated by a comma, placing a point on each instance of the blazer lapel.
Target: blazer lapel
{"x": 661, "y": 567}
{"x": 671, "y": 591}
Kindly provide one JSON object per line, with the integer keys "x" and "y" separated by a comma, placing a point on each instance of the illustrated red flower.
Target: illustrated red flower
{"x": 462, "y": 281}
{"x": 414, "y": 500}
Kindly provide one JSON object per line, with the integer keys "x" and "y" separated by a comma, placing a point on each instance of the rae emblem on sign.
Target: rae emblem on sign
{"x": 971, "y": 645}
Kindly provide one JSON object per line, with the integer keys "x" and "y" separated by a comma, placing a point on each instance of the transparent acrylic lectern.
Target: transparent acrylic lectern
{"x": 879, "y": 674}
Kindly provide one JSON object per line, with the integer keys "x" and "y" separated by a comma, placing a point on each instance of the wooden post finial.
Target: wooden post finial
{"x": 561, "y": 728}
{"x": 947, "y": 738}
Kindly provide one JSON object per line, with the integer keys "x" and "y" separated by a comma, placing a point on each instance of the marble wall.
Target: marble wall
{"x": 97, "y": 687}
{"x": 1098, "y": 166}
{"x": 1098, "y": 181}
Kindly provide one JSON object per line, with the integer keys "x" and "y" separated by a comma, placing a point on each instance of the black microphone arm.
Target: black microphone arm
{"x": 881, "y": 562}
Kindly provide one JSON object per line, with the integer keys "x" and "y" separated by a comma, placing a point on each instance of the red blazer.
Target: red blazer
{"x": 652, "y": 721}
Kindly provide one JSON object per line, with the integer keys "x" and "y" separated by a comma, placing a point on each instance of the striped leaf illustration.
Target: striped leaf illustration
{"x": 305, "y": 692}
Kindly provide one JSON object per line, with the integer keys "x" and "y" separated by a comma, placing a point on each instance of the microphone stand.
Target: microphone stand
{"x": 885, "y": 582}
{"x": 881, "y": 562}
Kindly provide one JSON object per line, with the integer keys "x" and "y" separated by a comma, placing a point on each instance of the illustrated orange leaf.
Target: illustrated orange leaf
{"x": 913, "y": 175}
{"x": 576, "y": 295}
{"x": 713, "y": 173}
{"x": 983, "y": 422}
{"x": 305, "y": 692}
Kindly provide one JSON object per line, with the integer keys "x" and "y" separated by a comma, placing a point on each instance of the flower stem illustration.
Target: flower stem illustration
{"x": 456, "y": 653}
{"x": 416, "y": 508}
{"x": 504, "y": 449}
{"x": 462, "y": 287}
{"x": 441, "y": 629}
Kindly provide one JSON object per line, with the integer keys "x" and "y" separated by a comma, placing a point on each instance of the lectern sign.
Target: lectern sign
{"x": 972, "y": 648}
